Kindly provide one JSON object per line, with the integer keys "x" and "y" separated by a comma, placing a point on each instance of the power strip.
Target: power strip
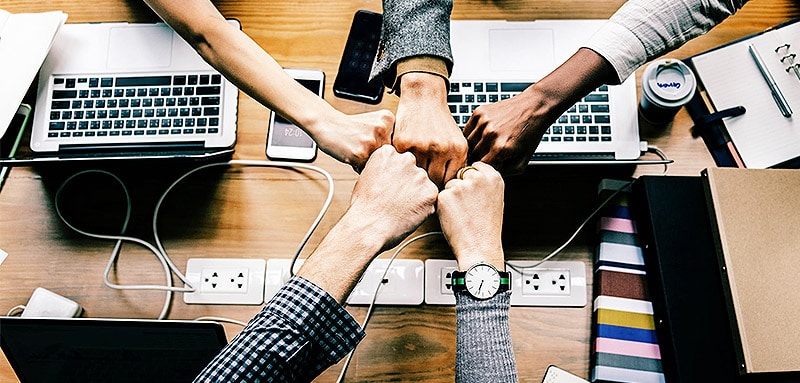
{"x": 553, "y": 283}
{"x": 402, "y": 285}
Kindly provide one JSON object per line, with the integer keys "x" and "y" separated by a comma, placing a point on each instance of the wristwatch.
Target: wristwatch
{"x": 481, "y": 281}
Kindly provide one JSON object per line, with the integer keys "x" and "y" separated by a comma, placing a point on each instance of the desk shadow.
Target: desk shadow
{"x": 93, "y": 201}
{"x": 546, "y": 204}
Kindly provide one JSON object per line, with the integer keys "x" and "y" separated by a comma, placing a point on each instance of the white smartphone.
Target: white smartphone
{"x": 286, "y": 141}
{"x": 555, "y": 374}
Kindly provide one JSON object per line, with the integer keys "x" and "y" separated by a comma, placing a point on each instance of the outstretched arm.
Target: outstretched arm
{"x": 350, "y": 139}
{"x": 507, "y": 133}
{"x": 415, "y": 61}
{"x": 304, "y": 329}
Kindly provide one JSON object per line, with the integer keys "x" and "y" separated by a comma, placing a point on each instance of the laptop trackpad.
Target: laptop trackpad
{"x": 137, "y": 47}
{"x": 522, "y": 50}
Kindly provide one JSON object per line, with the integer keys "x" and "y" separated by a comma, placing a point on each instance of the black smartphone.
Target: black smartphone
{"x": 352, "y": 81}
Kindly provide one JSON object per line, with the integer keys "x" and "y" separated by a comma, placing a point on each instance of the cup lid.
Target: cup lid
{"x": 669, "y": 82}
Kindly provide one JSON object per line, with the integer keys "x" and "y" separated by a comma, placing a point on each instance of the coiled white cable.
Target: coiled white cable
{"x": 158, "y": 250}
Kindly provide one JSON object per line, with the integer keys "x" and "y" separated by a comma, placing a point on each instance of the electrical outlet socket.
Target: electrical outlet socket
{"x": 404, "y": 281}
{"x": 402, "y": 285}
{"x": 438, "y": 274}
{"x": 552, "y": 283}
{"x": 225, "y": 281}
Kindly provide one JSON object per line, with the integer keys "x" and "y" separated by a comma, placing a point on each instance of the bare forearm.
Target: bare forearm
{"x": 240, "y": 59}
{"x": 341, "y": 258}
{"x": 578, "y": 76}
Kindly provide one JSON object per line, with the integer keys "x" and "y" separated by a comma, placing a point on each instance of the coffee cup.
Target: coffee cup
{"x": 667, "y": 85}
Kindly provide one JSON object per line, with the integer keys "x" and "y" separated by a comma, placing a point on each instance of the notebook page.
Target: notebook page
{"x": 763, "y": 136}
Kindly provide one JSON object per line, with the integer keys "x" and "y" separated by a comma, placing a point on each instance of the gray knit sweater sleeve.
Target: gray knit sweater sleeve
{"x": 413, "y": 28}
{"x": 483, "y": 340}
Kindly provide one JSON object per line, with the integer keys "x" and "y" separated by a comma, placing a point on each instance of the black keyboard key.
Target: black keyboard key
{"x": 61, "y": 94}
{"x": 210, "y": 101}
{"x": 57, "y": 125}
{"x": 94, "y": 82}
{"x": 144, "y": 81}
{"x": 70, "y": 83}
{"x": 513, "y": 86}
{"x": 211, "y": 111}
{"x": 192, "y": 80}
{"x": 478, "y": 87}
{"x": 60, "y": 105}
{"x": 204, "y": 79}
{"x": 595, "y": 97}
{"x": 602, "y": 119}
{"x": 106, "y": 82}
{"x": 207, "y": 90}
{"x": 216, "y": 79}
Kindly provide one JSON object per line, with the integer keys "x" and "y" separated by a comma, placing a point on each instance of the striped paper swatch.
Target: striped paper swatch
{"x": 624, "y": 343}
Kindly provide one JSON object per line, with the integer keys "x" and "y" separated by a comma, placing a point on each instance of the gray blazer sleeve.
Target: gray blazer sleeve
{"x": 413, "y": 28}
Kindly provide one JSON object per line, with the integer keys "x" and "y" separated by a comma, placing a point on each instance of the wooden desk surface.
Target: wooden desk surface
{"x": 263, "y": 213}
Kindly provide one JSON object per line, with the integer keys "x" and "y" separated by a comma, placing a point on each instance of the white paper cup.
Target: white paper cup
{"x": 667, "y": 85}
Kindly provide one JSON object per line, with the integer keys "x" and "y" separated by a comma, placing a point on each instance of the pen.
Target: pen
{"x": 786, "y": 111}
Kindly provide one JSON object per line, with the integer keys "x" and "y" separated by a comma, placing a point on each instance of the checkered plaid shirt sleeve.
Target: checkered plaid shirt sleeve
{"x": 300, "y": 332}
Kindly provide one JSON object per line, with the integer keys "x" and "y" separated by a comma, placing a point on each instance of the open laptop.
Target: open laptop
{"x": 108, "y": 350}
{"x": 495, "y": 60}
{"x": 119, "y": 90}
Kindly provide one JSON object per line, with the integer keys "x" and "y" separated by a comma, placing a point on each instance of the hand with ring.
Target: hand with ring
{"x": 471, "y": 215}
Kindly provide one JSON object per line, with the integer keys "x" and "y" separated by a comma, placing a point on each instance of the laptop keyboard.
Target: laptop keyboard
{"x": 588, "y": 121}
{"x": 128, "y": 108}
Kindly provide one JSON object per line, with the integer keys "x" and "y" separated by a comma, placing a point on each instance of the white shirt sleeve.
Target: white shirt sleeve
{"x": 642, "y": 30}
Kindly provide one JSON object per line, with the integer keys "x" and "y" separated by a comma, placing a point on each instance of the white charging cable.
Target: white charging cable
{"x": 158, "y": 249}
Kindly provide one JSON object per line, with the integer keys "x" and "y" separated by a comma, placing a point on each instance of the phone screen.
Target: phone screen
{"x": 352, "y": 81}
{"x": 287, "y": 134}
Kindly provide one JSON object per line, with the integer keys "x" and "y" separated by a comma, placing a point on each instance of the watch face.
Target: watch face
{"x": 482, "y": 281}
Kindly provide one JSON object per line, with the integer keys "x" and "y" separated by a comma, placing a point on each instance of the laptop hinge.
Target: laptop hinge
{"x": 148, "y": 148}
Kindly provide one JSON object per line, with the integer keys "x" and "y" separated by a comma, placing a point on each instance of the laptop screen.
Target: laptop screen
{"x": 108, "y": 350}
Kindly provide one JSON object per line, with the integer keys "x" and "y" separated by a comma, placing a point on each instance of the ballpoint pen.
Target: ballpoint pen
{"x": 783, "y": 105}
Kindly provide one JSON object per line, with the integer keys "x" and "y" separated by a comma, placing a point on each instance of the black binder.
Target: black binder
{"x": 685, "y": 284}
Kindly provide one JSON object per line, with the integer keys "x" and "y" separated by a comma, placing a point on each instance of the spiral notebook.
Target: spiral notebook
{"x": 762, "y": 136}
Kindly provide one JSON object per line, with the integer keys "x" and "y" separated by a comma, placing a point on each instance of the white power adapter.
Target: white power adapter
{"x": 45, "y": 303}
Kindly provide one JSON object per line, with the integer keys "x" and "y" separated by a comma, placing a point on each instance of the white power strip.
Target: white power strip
{"x": 403, "y": 284}
{"x": 553, "y": 283}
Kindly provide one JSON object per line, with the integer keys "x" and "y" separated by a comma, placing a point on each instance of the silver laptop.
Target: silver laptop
{"x": 495, "y": 60}
{"x": 118, "y": 89}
